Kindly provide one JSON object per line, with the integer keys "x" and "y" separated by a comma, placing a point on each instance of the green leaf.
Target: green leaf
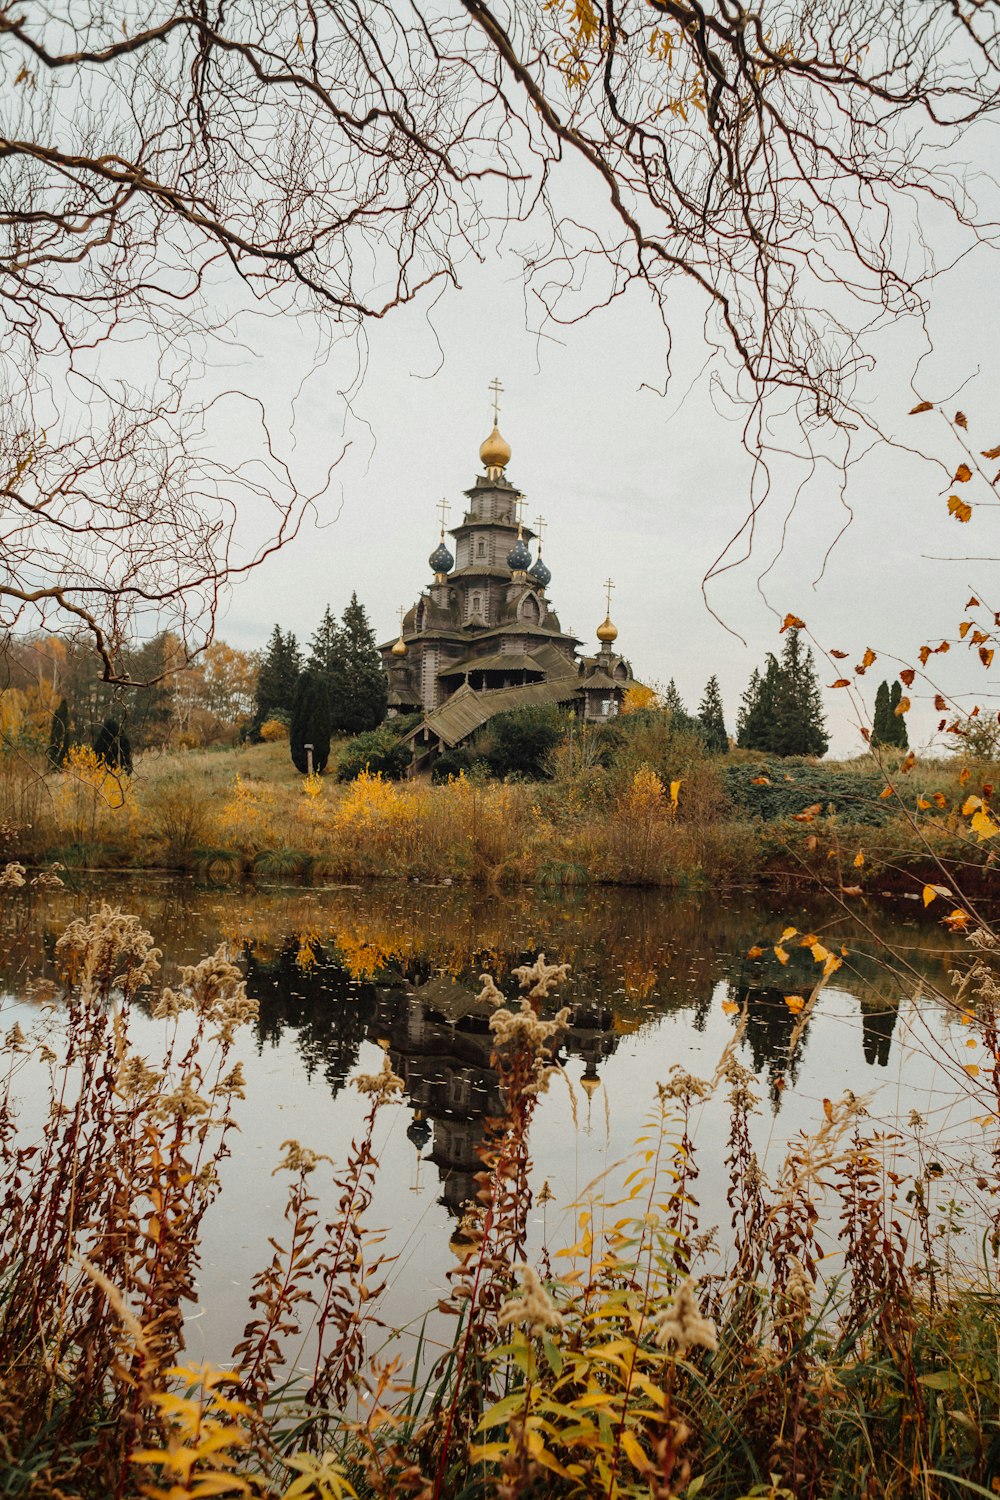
{"x": 940, "y": 1380}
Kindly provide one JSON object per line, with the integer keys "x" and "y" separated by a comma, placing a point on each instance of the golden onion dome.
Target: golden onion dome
{"x": 590, "y": 1083}
{"x": 400, "y": 648}
{"x": 607, "y": 632}
{"x": 495, "y": 452}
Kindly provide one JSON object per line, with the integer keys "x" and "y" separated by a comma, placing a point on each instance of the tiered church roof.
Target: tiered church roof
{"x": 483, "y": 637}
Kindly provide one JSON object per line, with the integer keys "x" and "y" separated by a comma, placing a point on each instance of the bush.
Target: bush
{"x": 275, "y": 728}
{"x": 520, "y": 743}
{"x": 770, "y": 792}
{"x": 377, "y": 751}
{"x": 451, "y": 763}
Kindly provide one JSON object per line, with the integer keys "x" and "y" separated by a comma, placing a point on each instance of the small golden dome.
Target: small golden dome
{"x": 400, "y": 648}
{"x": 607, "y": 632}
{"x": 495, "y": 452}
{"x": 590, "y": 1083}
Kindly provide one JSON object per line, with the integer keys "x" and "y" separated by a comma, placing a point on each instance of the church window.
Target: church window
{"x": 480, "y": 548}
{"x": 477, "y": 604}
{"x": 530, "y": 610}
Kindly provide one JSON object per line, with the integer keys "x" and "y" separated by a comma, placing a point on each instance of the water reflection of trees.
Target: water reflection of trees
{"x": 332, "y": 968}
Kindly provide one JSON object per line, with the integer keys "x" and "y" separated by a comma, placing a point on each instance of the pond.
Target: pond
{"x": 344, "y": 974}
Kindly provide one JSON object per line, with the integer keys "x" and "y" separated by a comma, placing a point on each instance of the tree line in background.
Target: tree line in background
{"x": 53, "y": 698}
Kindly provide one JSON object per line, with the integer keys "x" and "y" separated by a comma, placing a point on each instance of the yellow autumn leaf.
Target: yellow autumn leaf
{"x": 781, "y": 954}
{"x": 983, "y": 826}
{"x": 789, "y": 932}
{"x": 902, "y": 707}
{"x": 962, "y": 474}
{"x": 754, "y": 952}
{"x": 969, "y": 806}
{"x": 729, "y": 1008}
{"x": 959, "y": 508}
{"x": 972, "y": 1069}
{"x": 792, "y": 622}
{"x": 794, "y": 1003}
{"x": 868, "y": 658}
{"x": 675, "y": 787}
{"x": 859, "y": 860}
{"x": 923, "y": 803}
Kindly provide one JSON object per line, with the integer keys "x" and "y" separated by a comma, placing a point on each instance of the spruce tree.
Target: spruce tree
{"x": 799, "y": 721}
{"x": 113, "y": 747}
{"x": 277, "y": 678}
{"x": 755, "y": 717}
{"x": 328, "y": 660}
{"x": 310, "y": 722}
{"x": 59, "y": 735}
{"x": 672, "y": 700}
{"x": 782, "y": 711}
{"x": 897, "y": 734}
{"x": 367, "y": 683}
{"x": 712, "y": 720}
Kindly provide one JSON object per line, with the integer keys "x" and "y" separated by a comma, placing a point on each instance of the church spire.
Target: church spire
{"x": 441, "y": 561}
{"x": 495, "y": 451}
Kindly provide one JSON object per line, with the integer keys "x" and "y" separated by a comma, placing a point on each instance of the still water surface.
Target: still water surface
{"x": 343, "y": 974}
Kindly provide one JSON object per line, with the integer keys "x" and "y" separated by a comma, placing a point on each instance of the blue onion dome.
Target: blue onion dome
{"x": 519, "y": 558}
{"x": 540, "y": 573}
{"x": 441, "y": 560}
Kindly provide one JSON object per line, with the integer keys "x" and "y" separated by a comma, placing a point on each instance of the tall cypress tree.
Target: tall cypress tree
{"x": 310, "y": 722}
{"x": 897, "y": 724}
{"x": 112, "y": 745}
{"x": 59, "y": 735}
{"x": 712, "y": 720}
{"x": 367, "y": 684}
{"x": 882, "y": 723}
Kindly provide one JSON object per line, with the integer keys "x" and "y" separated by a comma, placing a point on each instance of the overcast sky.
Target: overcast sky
{"x": 635, "y": 485}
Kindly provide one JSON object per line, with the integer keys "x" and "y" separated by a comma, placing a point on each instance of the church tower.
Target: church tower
{"x": 484, "y": 623}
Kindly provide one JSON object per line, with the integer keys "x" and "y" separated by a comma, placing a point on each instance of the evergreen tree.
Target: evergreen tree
{"x": 711, "y": 718}
{"x": 368, "y": 687}
{"x": 328, "y": 660}
{"x": 898, "y": 735}
{"x": 277, "y": 678}
{"x": 782, "y": 711}
{"x": 59, "y": 735}
{"x": 112, "y": 745}
{"x": 310, "y": 723}
{"x": 882, "y": 724}
{"x": 799, "y": 721}
{"x": 672, "y": 699}
{"x": 755, "y": 718}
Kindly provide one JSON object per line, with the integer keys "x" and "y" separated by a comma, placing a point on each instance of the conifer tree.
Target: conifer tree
{"x": 277, "y": 678}
{"x": 367, "y": 685}
{"x": 782, "y": 711}
{"x": 328, "y": 660}
{"x": 672, "y": 699}
{"x": 712, "y": 720}
{"x": 799, "y": 721}
{"x": 310, "y": 722}
{"x": 881, "y": 726}
{"x": 897, "y": 724}
{"x": 59, "y": 735}
{"x": 112, "y": 745}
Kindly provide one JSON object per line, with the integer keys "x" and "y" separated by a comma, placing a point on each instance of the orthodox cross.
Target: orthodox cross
{"x": 497, "y": 390}
{"x": 443, "y": 507}
{"x": 518, "y": 503}
{"x": 608, "y": 586}
{"x": 401, "y": 612}
{"x": 540, "y": 523}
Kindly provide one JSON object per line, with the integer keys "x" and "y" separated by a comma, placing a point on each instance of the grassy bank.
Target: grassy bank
{"x": 841, "y": 1344}
{"x": 692, "y": 820}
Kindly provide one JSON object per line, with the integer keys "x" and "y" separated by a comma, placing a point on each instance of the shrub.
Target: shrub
{"x": 378, "y": 751}
{"x": 521, "y": 742}
{"x": 275, "y": 728}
